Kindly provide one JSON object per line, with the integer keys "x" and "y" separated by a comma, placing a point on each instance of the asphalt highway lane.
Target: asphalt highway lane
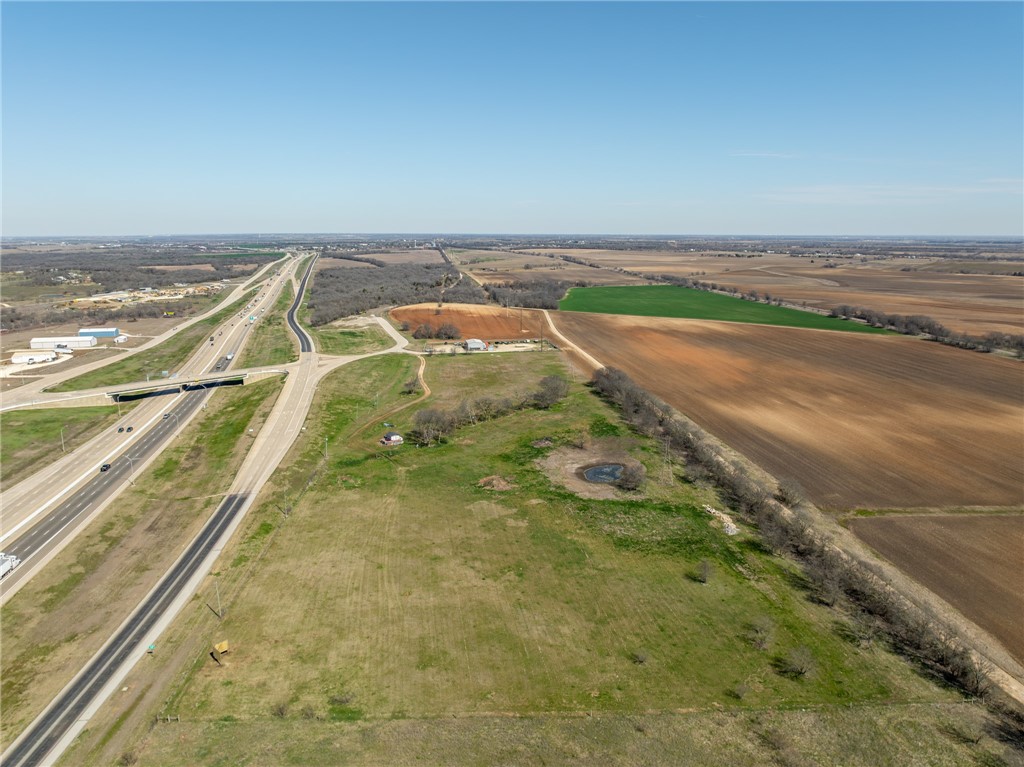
{"x": 36, "y": 742}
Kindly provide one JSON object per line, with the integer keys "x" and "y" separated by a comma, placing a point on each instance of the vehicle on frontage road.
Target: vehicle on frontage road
{"x": 7, "y": 563}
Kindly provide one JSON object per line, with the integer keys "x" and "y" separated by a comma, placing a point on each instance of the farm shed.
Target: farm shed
{"x": 392, "y": 438}
{"x": 475, "y": 345}
{"x": 20, "y": 358}
{"x": 100, "y": 332}
{"x": 63, "y": 342}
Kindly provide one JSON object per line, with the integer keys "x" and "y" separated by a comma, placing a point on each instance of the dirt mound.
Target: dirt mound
{"x": 494, "y": 482}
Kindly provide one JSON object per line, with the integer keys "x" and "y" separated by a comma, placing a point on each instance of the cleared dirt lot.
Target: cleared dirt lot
{"x": 972, "y": 561}
{"x": 859, "y": 421}
{"x": 972, "y": 303}
{"x": 488, "y": 323}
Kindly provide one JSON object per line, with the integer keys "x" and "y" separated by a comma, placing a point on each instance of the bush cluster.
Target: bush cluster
{"x": 436, "y": 425}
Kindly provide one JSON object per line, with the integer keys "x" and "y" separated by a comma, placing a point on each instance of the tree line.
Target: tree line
{"x": 436, "y": 425}
{"x": 787, "y": 526}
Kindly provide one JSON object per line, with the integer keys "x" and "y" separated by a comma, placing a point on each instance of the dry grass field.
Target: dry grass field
{"x": 329, "y": 262}
{"x": 488, "y": 323}
{"x": 972, "y": 303}
{"x": 411, "y": 256}
{"x": 859, "y": 421}
{"x": 972, "y": 561}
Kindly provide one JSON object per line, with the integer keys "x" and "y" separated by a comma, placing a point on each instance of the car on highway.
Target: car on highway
{"x": 129, "y": 428}
{"x": 105, "y": 467}
{"x": 120, "y": 429}
{"x": 167, "y": 415}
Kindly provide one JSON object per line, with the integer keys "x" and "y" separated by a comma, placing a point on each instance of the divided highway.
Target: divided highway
{"x": 41, "y": 742}
{"x": 36, "y": 742}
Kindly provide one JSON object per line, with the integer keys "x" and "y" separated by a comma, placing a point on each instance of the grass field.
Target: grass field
{"x": 32, "y": 438}
{"x": 332, "y": 339}
{"x": 271, "y": 342}
{"x": 674, "y": 301}
{"x": 401, "y": 603}
{"x": 169, "y": 355}
{"x": 65, "y": 613}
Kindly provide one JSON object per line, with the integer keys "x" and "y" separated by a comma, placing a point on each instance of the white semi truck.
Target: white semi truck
{"x": 7, "y": 563}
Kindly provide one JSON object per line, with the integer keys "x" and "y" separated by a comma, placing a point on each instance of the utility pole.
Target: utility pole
{"x": 220, "y": 612}
{"x": 325, "y": 448}
{"x": 62, "y": 428}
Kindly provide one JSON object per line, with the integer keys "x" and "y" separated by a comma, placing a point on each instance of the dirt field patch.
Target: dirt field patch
{"x": 859, "y": 421}
{"x": 488, "y": 323}
{"x": 972, "y": 561}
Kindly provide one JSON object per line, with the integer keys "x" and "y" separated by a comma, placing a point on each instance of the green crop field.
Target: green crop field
{"x": 168, "y": 355}
{"x": 688, "y": 303}
{"x": 385, "y": 606}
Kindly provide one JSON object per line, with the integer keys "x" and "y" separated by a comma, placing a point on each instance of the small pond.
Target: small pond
{"x": 605, "y": 472}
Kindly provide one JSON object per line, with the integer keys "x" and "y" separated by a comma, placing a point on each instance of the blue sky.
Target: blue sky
{"x": 634, "y": 118}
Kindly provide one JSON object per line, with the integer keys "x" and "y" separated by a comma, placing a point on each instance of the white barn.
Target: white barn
{"x": 475, "y": 345}
{"x": 63, "y": 342}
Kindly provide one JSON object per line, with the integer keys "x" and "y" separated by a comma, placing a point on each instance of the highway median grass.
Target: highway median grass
{"x": 55, "y": 623}
{"x": 689, "y": 303}
{"x": 32, "y": 438}
{"x": 384, "y": 591}
{"x": 271, "y": 341}
{"x": 169, "y": 355}
{"x": 333, "y": 339}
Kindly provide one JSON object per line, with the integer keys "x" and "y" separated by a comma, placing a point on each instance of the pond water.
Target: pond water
{"x": 606, "y": 473}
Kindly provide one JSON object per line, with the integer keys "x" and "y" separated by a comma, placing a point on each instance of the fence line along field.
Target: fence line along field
{"x": 937, "y": 550}
{"x": 486, "y": 322}
{"x": 859, "y": 421}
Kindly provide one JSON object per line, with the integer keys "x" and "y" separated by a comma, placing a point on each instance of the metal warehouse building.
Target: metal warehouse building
{"x": 63, "y": 342}
{"x": 100, "y": 332}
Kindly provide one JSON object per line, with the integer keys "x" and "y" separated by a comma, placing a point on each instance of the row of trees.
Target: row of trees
{"x": 917, "y": 325}
{"x": 834, "y": 573}
{"x": 532, "y": 294}
{"x": 446, "y": 331}
{"x": 343, "y": 291}
{"x": 436, "y": 425}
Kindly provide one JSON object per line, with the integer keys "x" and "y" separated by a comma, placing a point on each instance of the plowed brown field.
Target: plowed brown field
{"x": 859, "y": 421}
{"x": 973, "y": 562}
{"x": 488, "y": 323}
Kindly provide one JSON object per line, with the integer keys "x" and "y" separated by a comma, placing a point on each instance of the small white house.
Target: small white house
{"x": 63, "y": 342}
{"x": 121, "y": 339}
{"x": 475, "y": 345}
{"x": 392, "y": 438}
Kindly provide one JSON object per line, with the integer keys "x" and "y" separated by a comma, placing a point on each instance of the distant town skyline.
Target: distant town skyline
{"x": 647, "y": 119}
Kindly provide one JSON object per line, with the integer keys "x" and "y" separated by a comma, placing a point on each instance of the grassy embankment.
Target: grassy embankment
{"x": 271, "y": 341}
{"x": 32, "y": 438}
{"x": 63, "y": 615}
{"x": 402, "y": 612}
{"x": 688, "y": 303}
{"x": 168, "y": 355}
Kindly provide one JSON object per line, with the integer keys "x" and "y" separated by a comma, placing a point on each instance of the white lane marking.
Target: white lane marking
{"x": 73, "y": 483}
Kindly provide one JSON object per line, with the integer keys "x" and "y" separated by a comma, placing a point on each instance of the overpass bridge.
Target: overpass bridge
{"x": 109, "y": 395}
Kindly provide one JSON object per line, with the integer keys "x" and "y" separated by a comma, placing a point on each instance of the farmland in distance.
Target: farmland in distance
{"x": 859, "y": 421}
